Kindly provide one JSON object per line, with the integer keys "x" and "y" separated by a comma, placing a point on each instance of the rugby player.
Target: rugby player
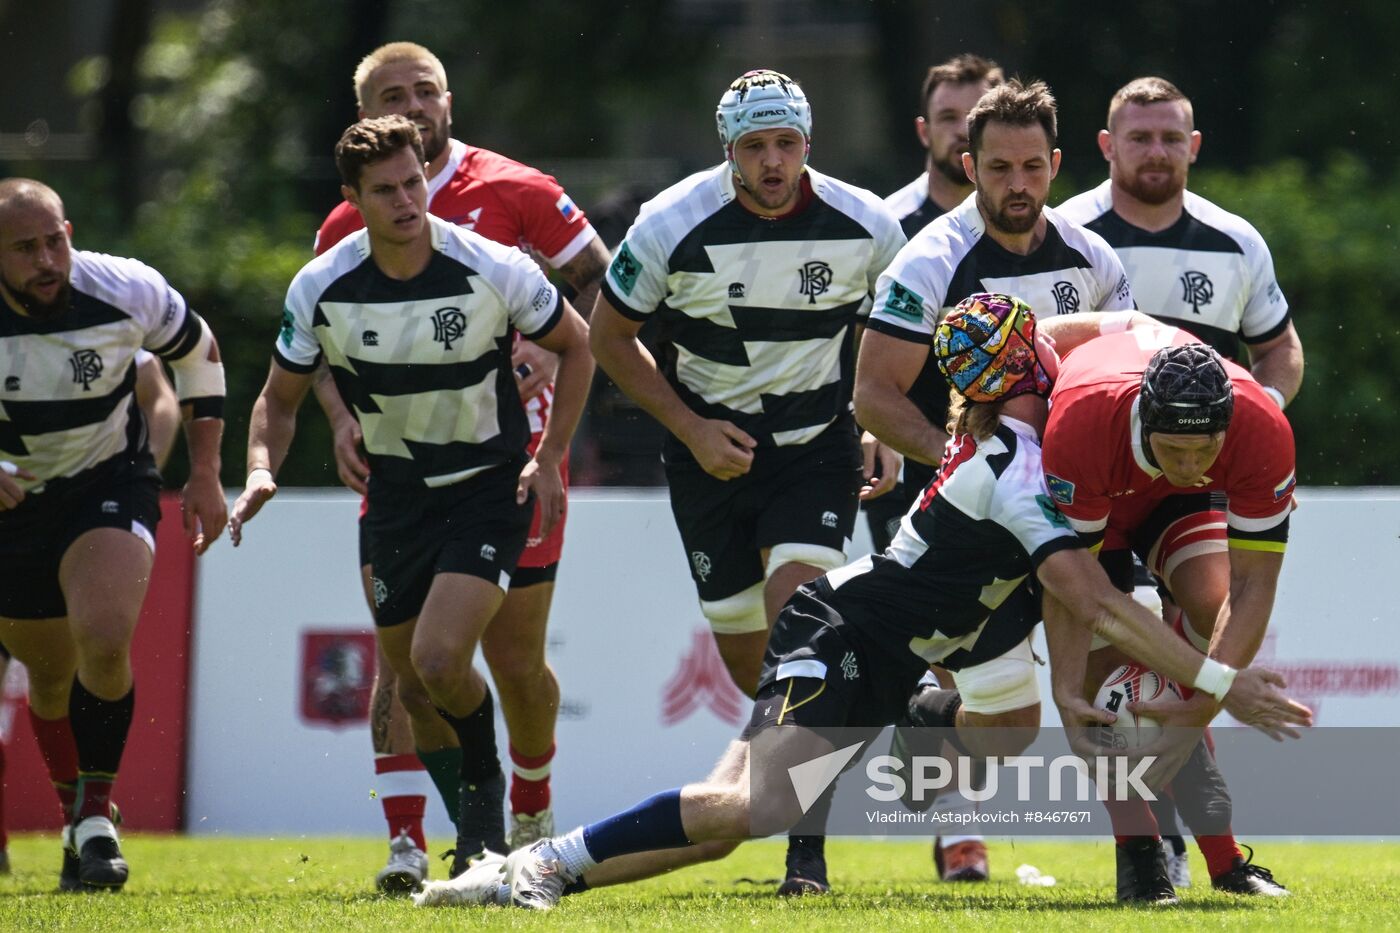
{"x": 415, "y": 317}
{"x": 760, "y": 271}
{"x": 79, "y": 494}
{"x": 515, "y": 205}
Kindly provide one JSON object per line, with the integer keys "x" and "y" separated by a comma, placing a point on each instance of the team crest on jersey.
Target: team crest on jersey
{"x": 814, "y": 278}
{"x": 1285, "y": 488}
{"x": 829, "y": 519}
{"x": 1061, "y": 490}
{"x": 1066, "y": 298}
{"x": 625, "y": 269}
{"x": 87, "y": 367}
{"x": 701, "y": 562}
{"x": 849, "y": 667}
{"x": 449, "y": 324}
{"x": 1052, "y": 513}
{"x": 1196, "y": 290}
{"x": 11, "y": 383}
{"x": 736, "y": 289}
{"x": 370, "y": 338}
{"x": 904, "y": 303}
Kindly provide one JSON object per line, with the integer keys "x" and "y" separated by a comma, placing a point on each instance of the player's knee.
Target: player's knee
{"x": 103, "y": 647}
{"x": 515, "y": 663}
{"x": 740, "y": 614}
{"x": 434, "y": 673}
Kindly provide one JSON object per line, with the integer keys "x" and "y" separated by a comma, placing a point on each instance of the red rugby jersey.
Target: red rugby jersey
{"x": 1093, "y": 458}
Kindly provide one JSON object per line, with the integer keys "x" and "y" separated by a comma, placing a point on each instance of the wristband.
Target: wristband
{"x": 1274, "y": 394}
{"x": 1215, "y": 678}
{"x": 249, "y": 480}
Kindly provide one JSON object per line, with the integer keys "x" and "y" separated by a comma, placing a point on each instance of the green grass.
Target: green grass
{"x": 325, "y": 884}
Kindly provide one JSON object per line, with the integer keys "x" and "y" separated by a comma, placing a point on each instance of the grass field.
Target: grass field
{"x": 325, "y": 884}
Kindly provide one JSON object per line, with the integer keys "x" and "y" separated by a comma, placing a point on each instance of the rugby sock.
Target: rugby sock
{"x": 529, "y": 782}
{"x": 653, "y": 824}
{"x": 445, "y": 769}
{"x": 1220, "y": 853}
{"x": 60, "y": 754}
{"x": 476, "y": 733}
{"x": 481, "y": 817}
{"x": 402, "y": 785}
{"x": 99, "y": 729}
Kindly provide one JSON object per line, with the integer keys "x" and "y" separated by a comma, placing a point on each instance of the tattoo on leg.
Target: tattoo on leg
{"x": 379, "y": 720}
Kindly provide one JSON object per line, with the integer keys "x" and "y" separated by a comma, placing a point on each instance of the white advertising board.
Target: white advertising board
{"x": 646, "y": 702}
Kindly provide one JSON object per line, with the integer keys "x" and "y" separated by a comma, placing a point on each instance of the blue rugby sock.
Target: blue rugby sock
{"x": 653, "y": 824}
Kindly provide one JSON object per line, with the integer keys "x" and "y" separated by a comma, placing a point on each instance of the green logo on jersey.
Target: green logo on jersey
{"x": 625, "y": 269}
{"x": 287, "y": 328}
{"x": 904, "y": 303}
{"x": 1052, "y": 512}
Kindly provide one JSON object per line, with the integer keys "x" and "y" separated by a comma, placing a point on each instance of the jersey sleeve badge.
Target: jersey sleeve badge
{"x": 904, "y": 302}
{"x": 625, "y": 269}
{"x": 1061, "y": 490}
{"x": 566, "y": 207}
{"x": 1285, "y": 488}
{"x": 1052, "y": 514}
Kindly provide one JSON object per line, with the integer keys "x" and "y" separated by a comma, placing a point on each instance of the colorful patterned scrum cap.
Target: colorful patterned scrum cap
{"x": 985, "y": 347}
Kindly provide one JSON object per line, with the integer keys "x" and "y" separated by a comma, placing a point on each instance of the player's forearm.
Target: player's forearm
{"x": 1072, "y": 330}
{"x": 1068, "y": 645}
{"x": 1244, "y": 619}
{"x": 897, "y": 422}
{"x": 1076, "y": 580}
{"x": 585, "y": 274}
{"x": 162, "y": 424}
{"x": 203, "y": 437}
{"x": 1280, "y": 368}
{"x": 634, "y": 370}
{"x": 270, "y": 431}
{"x": 571, "y": 384}
{"x": 328, "y": 397}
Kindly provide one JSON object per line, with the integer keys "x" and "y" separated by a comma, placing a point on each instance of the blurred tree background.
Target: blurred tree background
{"x": 196, "y": 135}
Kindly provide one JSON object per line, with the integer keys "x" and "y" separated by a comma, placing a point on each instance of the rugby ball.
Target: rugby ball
{"x": 1131, "y": 683}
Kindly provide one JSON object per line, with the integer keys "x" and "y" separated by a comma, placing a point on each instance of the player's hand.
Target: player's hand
{"x": 1176, "y": 713}
{"x": 1081, "y": 721}
{"x": 350, "y": 463}
{"x": 204, "y": 508}
{"x": 543, "y": 479}
{"x": 721, "y": 448}
{"x": 11, "y": 494}
{"x": 534, "y": 367}
{"x": 881, "y": 467}
{"x": 256, "y": 493}
{"x": 1256, "y": 698}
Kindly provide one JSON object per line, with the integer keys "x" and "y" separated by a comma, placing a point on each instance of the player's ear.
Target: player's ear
{"x": 68, "y": 228}
{"x": 1106, "y": 145}
{"x": 921, "y": 130}
{"x": 969, "y": 167}
{"x": 351, "y": 195}
{"x": 1054, "y": 162}
{"x": 1195, "y": 144}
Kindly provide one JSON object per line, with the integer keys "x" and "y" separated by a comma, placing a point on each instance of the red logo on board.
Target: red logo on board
{"x": 701, "y": 682}
{"x": 337, "y": 671}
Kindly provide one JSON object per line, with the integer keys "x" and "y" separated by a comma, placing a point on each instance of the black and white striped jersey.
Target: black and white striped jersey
{"x": 68, "y": 384}
{"x": 952, "y": 257}
{"x": 1210, "y": 273}
{"x": 912, "y": 205}
{"x": 759, "y": 314}
{"x": 424, "y": 363}
{"x": 969, "y": 541}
